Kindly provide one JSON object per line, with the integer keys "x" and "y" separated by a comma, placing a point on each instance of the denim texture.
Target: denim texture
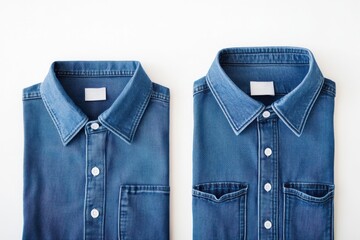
{"x": 263, "y": 166}
{"x": 96, "y": 169}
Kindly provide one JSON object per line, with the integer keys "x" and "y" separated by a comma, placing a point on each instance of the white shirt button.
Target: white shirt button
{"x": 94, "y": 213}
{"x": 266, "y": 114}
{"x": 95, "y": 171}
{"x": 267, "y": 224}
{"x": 268, "y": 152}
{"x": 94, "y": 126}
{"x": 267, "y": 187}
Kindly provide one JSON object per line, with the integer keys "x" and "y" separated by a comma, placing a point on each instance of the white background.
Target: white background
{"x": 176, "y": 41}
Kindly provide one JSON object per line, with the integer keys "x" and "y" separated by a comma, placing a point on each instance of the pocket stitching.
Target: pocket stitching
{"x": 311, "y": 199}
{"x": 218, "y": 200}
{"x": 132, "y": 189}
{"x": 309, "y": 186}
{"x": 226, "y": 197}
{"x": 286, "y": 214}
{"x": 290, "y": 192}
{"x": 238, "y": 195}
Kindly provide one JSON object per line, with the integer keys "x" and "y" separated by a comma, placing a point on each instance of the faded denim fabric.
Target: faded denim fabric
{"x": 96, "y": 169}
{"x": 263, "y": 165}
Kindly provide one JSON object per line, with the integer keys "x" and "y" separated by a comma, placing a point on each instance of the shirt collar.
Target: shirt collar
{"x": 240, "y": 109}
{"x": 122, "y": 117}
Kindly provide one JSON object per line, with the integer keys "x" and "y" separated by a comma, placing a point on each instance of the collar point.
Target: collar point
{"x": 237, "y": 131}
{"x": 297, "y": 130}
{"x": 297, "y": 133}
{"x": 128, "y": 138}
{"x": 65, "y": 141}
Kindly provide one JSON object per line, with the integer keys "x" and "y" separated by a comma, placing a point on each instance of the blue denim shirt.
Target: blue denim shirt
{"x": 263, "y": 164}
{"x": 96, "y": 169}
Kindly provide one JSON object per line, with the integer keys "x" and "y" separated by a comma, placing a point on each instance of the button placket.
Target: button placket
{"x": 95, "y": 180}
{"x": 268, "y": 176}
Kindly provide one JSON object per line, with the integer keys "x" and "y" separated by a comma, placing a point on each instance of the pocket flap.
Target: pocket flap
{"x": 220, "y": 191}
{"x": 316, "y": 192}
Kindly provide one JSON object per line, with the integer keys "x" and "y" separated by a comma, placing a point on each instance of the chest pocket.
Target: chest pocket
{"x": 219, "y": 211}
{"x": 308, "y": 211}
{"x": 144, "y": 212}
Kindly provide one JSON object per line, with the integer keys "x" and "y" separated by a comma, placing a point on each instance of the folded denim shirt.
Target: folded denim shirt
{"x": 96, "y": 153}
{"x": 263, "y": 147}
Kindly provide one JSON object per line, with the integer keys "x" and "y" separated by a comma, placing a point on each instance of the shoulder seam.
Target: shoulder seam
{"x": 32, "y": 94}
{"x": 327, "y": 88}
{"x": 200, "y": 88}
{"x": 160, "y": 96}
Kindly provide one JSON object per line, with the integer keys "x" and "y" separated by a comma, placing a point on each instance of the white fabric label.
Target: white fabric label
{"x": 262, "y": 88}
{"x": 95, "y": 94}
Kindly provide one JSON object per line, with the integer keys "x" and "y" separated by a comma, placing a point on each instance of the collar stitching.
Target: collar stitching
{"x": 134, "y": 125}
{"x": 117, "y": 132}
{"x": 309, "y": 107}
{"x": 286, "y": 121}
{"x": 228, "y": 116}
{"x": 251, "y": 118}
{"x": 222, "y": 106}
{"x": 53, "y": 116}
{"x": 65, "y": 139}
{"x": 140, "y": 113}
{"x": 95, "y": 73}
{"x": 75, "y": 130}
